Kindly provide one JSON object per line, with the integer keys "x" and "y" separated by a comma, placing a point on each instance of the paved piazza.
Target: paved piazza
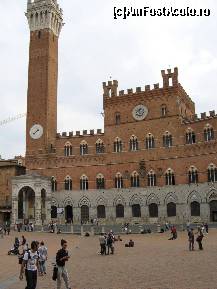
{"x": 154, "y": 263}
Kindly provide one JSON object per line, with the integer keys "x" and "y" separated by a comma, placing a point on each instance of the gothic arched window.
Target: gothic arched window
{"x": 208, "y": 133}
{"x": 100, "y": 148}
{"x": 192, "y": 175}
{"x": 117, "y": 145}
{"x": 83, "y": 148}
{"x": 84, "y": 183}
{"x": 152, "y": 180}
{"x": 118, "y": 181}
{"x": 100, "y": 182}
{"x": 134, "y": 146}
{"x": 212, "y": 173}
{"x": 169, "y": 177}
{"x": 68, "y": 149}
{"x": 167, "y": 140}
{"x": 135, "y": 180}
{"x": 68, "y": 183}
{"x": 163, "y": 110}
{"x": 190, "y": 137}
{"x": 149, "y": 141}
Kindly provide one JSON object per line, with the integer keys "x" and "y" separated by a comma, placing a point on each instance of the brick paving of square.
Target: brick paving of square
{"x": 154, "y": 263}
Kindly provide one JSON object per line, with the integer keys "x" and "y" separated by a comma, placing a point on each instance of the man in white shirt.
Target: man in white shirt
{"x": 30, "y": 263}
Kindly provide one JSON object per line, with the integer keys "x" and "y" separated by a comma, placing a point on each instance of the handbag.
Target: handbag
{"x": 199, "y": 238}
{"x": 55, "y": 271}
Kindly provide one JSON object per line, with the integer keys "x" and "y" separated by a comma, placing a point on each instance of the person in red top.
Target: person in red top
{"x": 174, "y": 233}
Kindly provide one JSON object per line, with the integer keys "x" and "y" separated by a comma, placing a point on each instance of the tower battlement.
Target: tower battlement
{"x": 203, "y": 116}
{"x": 78, "y": 133}
{"x": 170, "y": 75}
{"x": 44, "y": 14}
{"x": 110, "y": 88}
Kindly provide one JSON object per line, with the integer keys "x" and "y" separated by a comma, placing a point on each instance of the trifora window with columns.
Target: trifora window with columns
{"x": 84, "y": 183}
{"x": 117, "y": 145}
{"x": 212, "y": 173}
{"x": 68, "y": 149}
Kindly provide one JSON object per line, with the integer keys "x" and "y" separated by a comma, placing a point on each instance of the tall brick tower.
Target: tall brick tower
{"x": 45, "y": 23}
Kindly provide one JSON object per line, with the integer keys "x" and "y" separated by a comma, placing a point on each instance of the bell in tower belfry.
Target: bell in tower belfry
{"x": 45, "y": 19}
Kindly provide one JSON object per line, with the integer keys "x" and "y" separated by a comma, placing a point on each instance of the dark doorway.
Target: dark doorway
{"x": 195, "y": 209}
{"x": 119, "y": 211}
{"x": 7, "y": 216}
{"x": 136, "y": 211}
{"x": 213, "y": 211}
{"x": 171, "y": 209}
{"x": 69, "y": 214}
{"x": 153, "y": 210}
{"x": 101, "y": 212}
{"x": 53, "y": 212}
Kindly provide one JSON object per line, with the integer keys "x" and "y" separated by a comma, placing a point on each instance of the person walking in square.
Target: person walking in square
{"x": 102, "y": 242}
{"x": 61, "y": 257}
{"x": 110, "y": 243}
{"x": 206, "y": 227}
{"x": 30, "y": 264}
{"x": 191, "y": 239}
{"x": 199, "y": 239}
{"x": 42, "y": 251}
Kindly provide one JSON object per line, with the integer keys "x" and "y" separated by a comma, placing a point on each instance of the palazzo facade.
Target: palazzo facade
{"x": 155, "y": 159}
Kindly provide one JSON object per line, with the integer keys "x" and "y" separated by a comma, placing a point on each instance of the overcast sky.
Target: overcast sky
{"x": 93, "y": 47}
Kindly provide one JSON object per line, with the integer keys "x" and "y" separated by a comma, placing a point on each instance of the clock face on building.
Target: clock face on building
{"x": 36, "y": 131}
{"x": 140, "y": 112}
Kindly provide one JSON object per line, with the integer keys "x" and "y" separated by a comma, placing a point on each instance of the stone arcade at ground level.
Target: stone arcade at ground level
{"x": 33, "y": 200}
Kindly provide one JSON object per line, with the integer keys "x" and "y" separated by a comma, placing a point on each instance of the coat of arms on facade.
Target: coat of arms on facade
{"x": 142, "y": 169}
{"x": 126, "y": 175}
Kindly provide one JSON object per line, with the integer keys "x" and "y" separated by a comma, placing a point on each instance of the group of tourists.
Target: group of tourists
{"x": 106, "y": 242}
{"x": 53, "y": 227}
{"x": 201, "y": 231}
{"x": 5, "y": 229}
{"x": 26, "y": 226}
{"x": 33, "y": 260}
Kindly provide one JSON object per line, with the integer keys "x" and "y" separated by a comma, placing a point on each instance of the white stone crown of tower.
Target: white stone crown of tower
{"x": 44, "y": 14}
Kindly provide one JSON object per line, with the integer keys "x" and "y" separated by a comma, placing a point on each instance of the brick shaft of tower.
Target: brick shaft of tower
{"x": 45, "y": 21}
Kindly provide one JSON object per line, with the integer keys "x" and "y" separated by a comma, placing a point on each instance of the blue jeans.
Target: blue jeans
{"x": 42, "y": 267}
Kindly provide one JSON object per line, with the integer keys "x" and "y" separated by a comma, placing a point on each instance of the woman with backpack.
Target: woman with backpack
{"x": 30, "y": 265}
